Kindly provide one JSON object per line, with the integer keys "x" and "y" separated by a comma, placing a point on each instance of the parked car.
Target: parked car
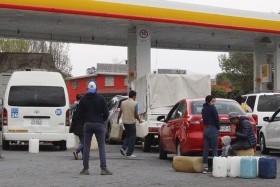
{"x": 114, "y": 109}
{"x": 182, "y": 130}
{"x": 262, "y": 105}
{"x": 269, "y": 133}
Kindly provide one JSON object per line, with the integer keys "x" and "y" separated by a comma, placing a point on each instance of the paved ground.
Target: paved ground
{"x": 54, "y": 168}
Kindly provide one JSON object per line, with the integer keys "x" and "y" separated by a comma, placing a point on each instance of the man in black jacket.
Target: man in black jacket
{"x": 94, "y": 110}
{"x": 244, "y": 133}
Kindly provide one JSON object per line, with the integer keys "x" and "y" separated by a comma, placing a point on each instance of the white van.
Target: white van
{"x": 36, "y": 105}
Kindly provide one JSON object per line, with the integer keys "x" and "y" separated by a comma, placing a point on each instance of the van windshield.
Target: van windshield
{"x": 37, "y": 96}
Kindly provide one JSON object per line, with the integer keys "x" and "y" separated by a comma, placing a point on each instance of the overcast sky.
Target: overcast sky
{"x": 83, "y": 56}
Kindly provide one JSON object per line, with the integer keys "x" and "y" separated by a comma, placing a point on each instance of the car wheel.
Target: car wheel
{"x": 146, "y": 143}
{"x": 5, "y": 144}
{"x": 179, "y": 150}
{"x": 263, "y": 148}
{"x": 162, "y": 153}
{"x": 62, "y": 145}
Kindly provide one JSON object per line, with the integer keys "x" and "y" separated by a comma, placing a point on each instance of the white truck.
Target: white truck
{"x": 157, "y": 93}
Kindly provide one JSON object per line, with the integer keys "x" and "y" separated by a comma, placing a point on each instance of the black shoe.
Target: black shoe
{"x": 122, "y": 152}
{"x": 75, "y": 155}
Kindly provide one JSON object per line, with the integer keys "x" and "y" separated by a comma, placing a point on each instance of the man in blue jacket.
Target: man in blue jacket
{"x": 94, "y": 111}
{"x": 244, "y": 133}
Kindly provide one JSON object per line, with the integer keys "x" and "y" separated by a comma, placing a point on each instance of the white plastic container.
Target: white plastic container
{"x": 219, "y": 166}
{"x": 72, "y": 141}
{"x": 142, "y": 129}
{"x": 233, "y": 166}
{"x": 257, "y": 157}
{"x": 33, "y": 145}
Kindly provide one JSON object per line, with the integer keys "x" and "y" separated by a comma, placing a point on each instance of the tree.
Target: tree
{"x": 58, "y": 50}
{"x": 221, "y": 78}
{"x": 13, "y": 45}
{"x": 219, "y": 92}
{"x": 238, "y": 69}
{"x": 91, "y": 70}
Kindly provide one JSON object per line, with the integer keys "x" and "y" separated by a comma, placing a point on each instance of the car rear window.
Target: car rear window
{"x": 37, "y": 96}
{"x": 223, "y": 107}
{"x": 268, "y": 103}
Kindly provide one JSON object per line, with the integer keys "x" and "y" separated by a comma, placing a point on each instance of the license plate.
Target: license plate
{"x": 36, "y": 121}
{"x": 225, "y": 128}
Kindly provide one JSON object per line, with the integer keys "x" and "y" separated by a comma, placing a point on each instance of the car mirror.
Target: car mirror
{"x": 266, "y": 119}
{"x": 161, "y": 118}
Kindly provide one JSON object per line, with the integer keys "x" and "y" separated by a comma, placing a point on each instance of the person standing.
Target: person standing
{"x": 211, "y": 131}
{"x": 94, "y": 111}
{"x": 129, "y": 113}
{"x": 245, "y": 107}
{"x": 77, "y": 126}
{"x": 244, "y": 133}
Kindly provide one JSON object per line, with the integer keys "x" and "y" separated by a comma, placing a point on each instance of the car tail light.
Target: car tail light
{"x": 5, "y": 117}
{"x": 153, "y": 129}
{"x": 255, "y": 117}
{"x": 67, "y": 119}
{"x": 194, "y": 123}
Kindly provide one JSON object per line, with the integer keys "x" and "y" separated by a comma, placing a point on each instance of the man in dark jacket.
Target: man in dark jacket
{"x": 94, "y": 110}
{"x": 244, "y": 133}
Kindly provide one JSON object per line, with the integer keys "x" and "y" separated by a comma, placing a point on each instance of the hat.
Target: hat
{"x": 92, "y": 87}
{"x": 232, "y": 115}
{"x": 226, "y": 140}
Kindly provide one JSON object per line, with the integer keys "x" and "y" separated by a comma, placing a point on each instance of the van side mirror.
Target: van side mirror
{"x": 161, "y": 118}
{"x": 266, "y": 119}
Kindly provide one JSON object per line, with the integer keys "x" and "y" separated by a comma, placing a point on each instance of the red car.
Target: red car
{"x": 182, "y": 131}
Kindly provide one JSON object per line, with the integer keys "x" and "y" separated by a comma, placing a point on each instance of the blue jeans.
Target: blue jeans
{"x": 99, "y": 130}
{"x": 81, "y": 146}
{"x": 129, "y": 142}
{"x": 210, "y": 138}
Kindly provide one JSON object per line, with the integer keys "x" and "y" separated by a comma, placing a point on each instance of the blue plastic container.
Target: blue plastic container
{"x": 248, "y": 167}
{"x": 267, "y": 168}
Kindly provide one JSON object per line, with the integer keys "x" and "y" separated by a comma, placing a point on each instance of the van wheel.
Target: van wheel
{"x": 5, "y": 144}
{"x": 147, "y": 142}
{"x": 63, "y": 145}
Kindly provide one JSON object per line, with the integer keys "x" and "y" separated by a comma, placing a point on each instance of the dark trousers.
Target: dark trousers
{"x": 236, "y": 146}
{"x": 210, "y": 139}
{"x": 99, "y": 130}
{"x": 129, "y": 142}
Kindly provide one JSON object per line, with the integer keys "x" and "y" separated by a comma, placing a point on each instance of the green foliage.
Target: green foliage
{"x": 58, "y": 50}
{"x": 219, "y": 92}
{"x": 221, "y": 78}
{"x": 238, "y": 69}
{"x": 235, "y": 92}
{"x": 13, "y": 45}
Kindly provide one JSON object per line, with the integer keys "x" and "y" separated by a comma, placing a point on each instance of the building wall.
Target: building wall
{"x": 107, "y": 91}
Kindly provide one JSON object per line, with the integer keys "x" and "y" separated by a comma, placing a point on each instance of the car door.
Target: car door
{"x": 273, "y": 130}
{"x": 169, "y": 129}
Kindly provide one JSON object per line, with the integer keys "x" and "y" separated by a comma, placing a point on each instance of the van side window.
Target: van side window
{"x": 251, "y": 101}
{"x": 40, "y": 96}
